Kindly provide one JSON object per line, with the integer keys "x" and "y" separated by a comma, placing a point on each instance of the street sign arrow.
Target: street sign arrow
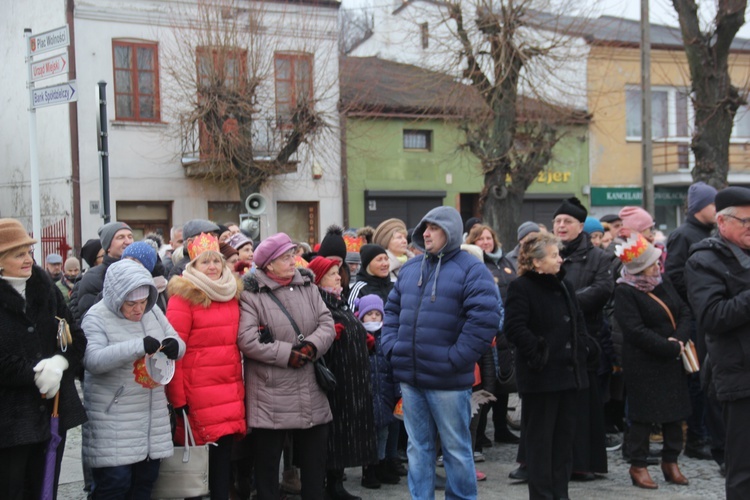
{"x": 49, "y": 40}
{"x": 47, "y": 68}
{"x": 54, "y": 94}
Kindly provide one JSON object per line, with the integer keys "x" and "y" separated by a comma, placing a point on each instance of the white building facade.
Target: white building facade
{"x": 132, "y": 45}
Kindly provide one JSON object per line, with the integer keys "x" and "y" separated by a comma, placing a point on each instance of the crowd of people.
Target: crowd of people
{"x": 378, "y": 347}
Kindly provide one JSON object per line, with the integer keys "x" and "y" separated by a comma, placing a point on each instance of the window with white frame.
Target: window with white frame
{"x": 670, "y": 113}
{"x": 418, "y": 140}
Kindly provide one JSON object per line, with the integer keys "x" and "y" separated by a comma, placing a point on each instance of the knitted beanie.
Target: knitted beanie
{"x": 636, "y": 218}
{"x": 700, "y": 195}
{"x": 107, "y": 232}
{"x": 637, "y": 254}
{"x": 592, "y": 225}
{"x": 90, "y": 250}
{"x": 368, "y": 303}
{"x": 526, "y": 228}
{"x": 333, "y": 245}
{"x": 143, "y": 253}
{"x": 368, "y": 252}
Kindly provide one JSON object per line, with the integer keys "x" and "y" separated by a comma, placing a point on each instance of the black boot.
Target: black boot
{"x": 369, "y": 478}
{"x": 394, "y": 465}
{"x": 384, "y": 473}
{"x": 335, "y": 486}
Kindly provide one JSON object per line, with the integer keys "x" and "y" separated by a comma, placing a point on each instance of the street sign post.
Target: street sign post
{"x": 62, "y": 93}
{"x": 57, "y": 38}
{"x": 47, "y": 68}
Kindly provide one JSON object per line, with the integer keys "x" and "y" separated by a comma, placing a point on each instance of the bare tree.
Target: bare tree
{"x": 515, "y": 138}
{"x": 244, "y": 111}
{"x": 355, "y": 26}
{"x": 715, "y": 98}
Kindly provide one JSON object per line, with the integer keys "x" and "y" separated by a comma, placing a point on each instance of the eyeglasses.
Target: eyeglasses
{"x": 745, "y": 222}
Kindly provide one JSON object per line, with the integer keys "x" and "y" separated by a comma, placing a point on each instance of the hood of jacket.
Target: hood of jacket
{"x": 446, "y": 218}
{"x": 123, "y": 277}
{"x": 720, "y": 245}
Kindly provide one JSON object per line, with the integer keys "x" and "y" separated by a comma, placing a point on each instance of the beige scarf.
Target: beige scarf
{"x": 222, "y": 290}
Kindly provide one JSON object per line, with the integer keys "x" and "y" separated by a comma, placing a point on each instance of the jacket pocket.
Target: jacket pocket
{"x": 114, "y": 398}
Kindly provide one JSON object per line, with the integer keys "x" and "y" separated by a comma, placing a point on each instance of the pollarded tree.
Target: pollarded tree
{"x": 715, "y": 98}
{"x": 244, "y": 88}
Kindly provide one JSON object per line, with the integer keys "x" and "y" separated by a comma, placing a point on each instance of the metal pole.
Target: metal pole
{"x": 103, "y": 151}
{"x": 36, "y": 217}
{"x": 647, "y": 155}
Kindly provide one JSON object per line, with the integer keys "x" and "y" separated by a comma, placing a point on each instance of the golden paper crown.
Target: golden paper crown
{"x": 202, "y": 243}
{"x": 632, "y": 249}
{"x": 353, "y": 243}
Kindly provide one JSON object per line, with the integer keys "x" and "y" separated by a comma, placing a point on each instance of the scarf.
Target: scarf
{"x": 280, "y": 281}
{"x": 402, "y": 258}
{"x": 645, "y": 284}
{"x": 18, "y": 284}
{"x": 335, "y": 291}
{"x": 571, "y": 246}
{"x": 223, "y": 289}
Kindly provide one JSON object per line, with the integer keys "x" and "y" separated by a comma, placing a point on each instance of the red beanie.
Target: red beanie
{"x": 320, "y": 266}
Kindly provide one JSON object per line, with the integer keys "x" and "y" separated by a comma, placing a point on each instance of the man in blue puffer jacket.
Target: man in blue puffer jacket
{"x": 441, "y": 316}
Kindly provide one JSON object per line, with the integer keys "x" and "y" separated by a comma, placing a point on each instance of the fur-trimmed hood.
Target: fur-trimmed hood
{"x": 187, "y": 290}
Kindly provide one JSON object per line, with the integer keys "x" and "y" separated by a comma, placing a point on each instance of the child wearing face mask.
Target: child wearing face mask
{"x": 385, "y": 390}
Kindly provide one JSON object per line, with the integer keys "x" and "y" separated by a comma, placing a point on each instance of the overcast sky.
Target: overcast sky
{"x": 662, "y": 11}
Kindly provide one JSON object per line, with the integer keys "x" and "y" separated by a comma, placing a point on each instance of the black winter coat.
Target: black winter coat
{"x": 502, "y": 271}
{"x": 655, "y": 380}
{"x": 351, "y": 440}
{"x": 678, "y": 250}
{"x": 87, "y": 291}
{"x": 717, "y": 275}
{"x": 385, "y": 390}
{"x": 28, "y": 334}
{"x": 588, "y": 269}
{"x": 367, "y": 284}
{"x": 545, "y": 323}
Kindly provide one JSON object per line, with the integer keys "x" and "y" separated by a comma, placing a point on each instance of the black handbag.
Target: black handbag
{"x": 323, "y": 375}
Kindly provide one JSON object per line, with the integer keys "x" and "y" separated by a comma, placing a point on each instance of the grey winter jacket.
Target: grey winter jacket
{"x": 277, "y": 396}
{"x": 127, "y": 421}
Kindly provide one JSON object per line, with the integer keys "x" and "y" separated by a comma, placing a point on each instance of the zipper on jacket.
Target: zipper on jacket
{"x": 114, "y": 399}
{"x": 414, "y": 337}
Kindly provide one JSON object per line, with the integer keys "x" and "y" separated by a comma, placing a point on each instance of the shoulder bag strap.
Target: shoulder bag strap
{"x": 300, "y": 337}
{"x": 661, "y": 303}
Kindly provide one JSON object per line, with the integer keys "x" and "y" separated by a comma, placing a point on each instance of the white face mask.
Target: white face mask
{"x": 373, "y": 326}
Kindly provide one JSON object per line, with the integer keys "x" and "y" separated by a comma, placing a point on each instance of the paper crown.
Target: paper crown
{"x": 353, "y": 243}
{"x": 202, "y": 243}
{"x": 637, "y": 253}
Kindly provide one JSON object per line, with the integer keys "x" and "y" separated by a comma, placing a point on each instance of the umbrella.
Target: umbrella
{"x": 50, "y": 461}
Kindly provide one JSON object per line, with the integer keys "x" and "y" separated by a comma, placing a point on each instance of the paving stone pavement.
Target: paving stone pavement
{"x": 705, "y": 481}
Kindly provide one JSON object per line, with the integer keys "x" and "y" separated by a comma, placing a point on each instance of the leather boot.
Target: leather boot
{"x": 335, "y": 486}
{"x": 385, "y": 475}
{"x": 672, "y": 473}
{"x": 369, "y": 479}
{"x": 641, "y": 478}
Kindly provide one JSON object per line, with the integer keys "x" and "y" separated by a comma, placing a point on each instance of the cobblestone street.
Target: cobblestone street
{"x": 705, "y": 481}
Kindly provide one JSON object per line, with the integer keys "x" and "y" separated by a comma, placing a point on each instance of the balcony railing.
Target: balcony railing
{"x": 674, "y": 155}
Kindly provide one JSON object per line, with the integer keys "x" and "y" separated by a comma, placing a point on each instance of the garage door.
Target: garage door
{"x": 409, "y": 206}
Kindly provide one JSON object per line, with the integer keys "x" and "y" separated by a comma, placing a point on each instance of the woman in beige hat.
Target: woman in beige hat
{"x": 391, "y": 234}
{"x": 34, "y": 367}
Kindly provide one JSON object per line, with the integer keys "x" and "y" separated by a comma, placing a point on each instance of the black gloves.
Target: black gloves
{"x": 150, "y": 344}
{"x": 538, "y": 358}
{"x": 178, "y": 411}
{"x": 170, "y": 347}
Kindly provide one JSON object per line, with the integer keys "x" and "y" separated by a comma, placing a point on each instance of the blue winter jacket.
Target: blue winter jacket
{"x": 442, "y": 313}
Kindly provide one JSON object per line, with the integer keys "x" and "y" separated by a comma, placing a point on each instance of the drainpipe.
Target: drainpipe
{"x": 75, "y": 175}
{"x": 344, "y": 171}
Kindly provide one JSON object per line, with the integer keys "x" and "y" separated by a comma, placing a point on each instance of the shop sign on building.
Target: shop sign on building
{"x": 619, "y": 196}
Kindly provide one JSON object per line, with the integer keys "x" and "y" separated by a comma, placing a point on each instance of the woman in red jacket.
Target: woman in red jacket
{"x": 207, "y": 385}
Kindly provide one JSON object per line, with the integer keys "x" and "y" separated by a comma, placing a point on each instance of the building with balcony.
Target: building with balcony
{"x": 157, "y": 60}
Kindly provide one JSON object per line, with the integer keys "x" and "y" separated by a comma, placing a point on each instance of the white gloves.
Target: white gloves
{"x": 49, "y": 373}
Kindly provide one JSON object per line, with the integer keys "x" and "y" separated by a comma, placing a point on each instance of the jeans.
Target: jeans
{"x": 382, "y": 441}
{"x": 428, "y": 412}
{"x": 131, "y": 482}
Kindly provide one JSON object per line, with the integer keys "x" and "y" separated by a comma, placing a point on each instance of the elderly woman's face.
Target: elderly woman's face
{"x": 398, "y": 243}
{"x": 246, "y": 252}
{"x": 210, "y": 264}
{"x": 331, "y": 279}
{"x": 17, "y": 262}
{"x": 551, "y": 262}
{"x": 133, "y": 309}
{"x": 283, "y": 266}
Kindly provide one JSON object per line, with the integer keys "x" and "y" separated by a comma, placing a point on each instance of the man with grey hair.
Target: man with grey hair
{"x": 717, "y": 275}
{"x": 175, "y": 241}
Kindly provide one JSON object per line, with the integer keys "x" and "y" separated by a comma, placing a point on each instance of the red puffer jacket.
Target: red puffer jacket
{"x": 209, "y": 377}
